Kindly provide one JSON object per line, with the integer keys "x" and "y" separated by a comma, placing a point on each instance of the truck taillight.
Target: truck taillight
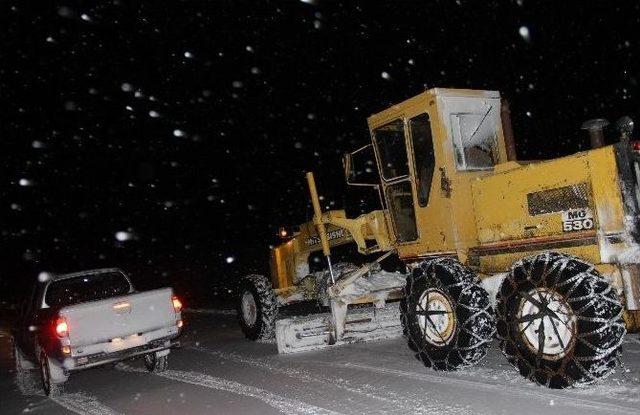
{"x": 635, "y": 145}
{"x": 62, "y": 328}
{"x": 177, "y": 304}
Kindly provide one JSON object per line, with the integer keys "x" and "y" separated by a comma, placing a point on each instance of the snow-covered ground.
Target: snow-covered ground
{"x": 218, "y": 372}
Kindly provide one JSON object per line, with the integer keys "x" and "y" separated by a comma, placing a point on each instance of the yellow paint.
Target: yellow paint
{"x": 482, "y": 217}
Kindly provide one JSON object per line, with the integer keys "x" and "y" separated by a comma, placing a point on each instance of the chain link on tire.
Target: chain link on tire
{"x": 257, "y": 307}
{"x": 446, "y": 315}
{"x": 559, "y": 321}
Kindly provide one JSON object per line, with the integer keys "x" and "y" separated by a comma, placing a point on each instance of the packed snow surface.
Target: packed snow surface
{"x": 218, "y": 371}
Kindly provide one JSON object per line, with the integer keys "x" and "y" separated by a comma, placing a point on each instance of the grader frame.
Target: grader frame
{"x": 458, "y": 208}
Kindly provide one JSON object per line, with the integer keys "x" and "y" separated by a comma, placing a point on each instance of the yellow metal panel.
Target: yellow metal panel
{"x": 500, "y": 200}
{"x": 503, "y": 262}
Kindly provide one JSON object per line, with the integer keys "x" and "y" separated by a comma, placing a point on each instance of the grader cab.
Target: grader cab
{"x": 542, "y": 255}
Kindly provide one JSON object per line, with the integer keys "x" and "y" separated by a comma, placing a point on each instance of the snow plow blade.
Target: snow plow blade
{"x": 302, "y": 334}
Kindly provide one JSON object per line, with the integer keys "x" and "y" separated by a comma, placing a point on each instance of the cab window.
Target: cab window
{"x": 392, "y": 150}
{"x": 475, "y": 139}
{"x": 420, "y": 129}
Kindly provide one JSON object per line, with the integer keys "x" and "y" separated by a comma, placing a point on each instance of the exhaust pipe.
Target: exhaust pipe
{"x": 625, "y": 125}
{"x": 595, "y": 129}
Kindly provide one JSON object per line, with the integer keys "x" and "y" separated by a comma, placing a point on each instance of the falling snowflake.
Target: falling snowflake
{"x": 188, "y": 55}
{"x": 44, "y": 276}
{"x": 25, "y": 182}
{"x": 123, "y": 236}
{"x": 229, "y": 259}
{"x": 178, "y": 133}
{"x": 385, "y": 75}
{"x": 524, "y": 32}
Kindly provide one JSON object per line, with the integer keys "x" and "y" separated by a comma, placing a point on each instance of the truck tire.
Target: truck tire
{"x": 22, "y": 363}
{"x": 155, "y": 363}
{"x": 559, "y": 321}
{"x": 51, "y": 375}
{"x": 447, "y": 315}
{"x": 257, "y": 308}
{"x": 24, "y": 370}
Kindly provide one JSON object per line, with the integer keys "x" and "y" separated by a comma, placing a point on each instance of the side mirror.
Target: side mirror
{"x": 359, "y": 167}
{"x": 347, "y": 164}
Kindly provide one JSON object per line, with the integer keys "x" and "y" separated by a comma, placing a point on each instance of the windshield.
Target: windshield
{"x": 474, "y": 127}
{"x": 83, "y": 288}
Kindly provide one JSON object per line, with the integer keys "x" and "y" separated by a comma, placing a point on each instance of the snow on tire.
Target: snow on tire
{"x": 155, "y": 363}
{"x": 447, "y": 315}
{"x": 257, "y": 308}
{"x": 559, "y": 321}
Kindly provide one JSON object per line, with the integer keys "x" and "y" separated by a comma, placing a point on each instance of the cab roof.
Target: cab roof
{"x": 423, "y": 99}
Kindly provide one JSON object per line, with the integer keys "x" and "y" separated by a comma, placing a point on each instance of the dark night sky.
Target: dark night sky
{"x": 188, "y": 125}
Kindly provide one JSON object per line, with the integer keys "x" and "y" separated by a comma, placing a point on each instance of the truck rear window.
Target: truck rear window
{"x": 85, "y": 288}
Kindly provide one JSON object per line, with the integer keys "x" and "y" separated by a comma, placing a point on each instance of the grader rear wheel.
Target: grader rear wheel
{"x": 446, "y": 315}
{"x": 559, "y": 321}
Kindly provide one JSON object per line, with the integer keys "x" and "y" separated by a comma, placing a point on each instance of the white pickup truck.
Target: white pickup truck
{"x": 85, "y": 319}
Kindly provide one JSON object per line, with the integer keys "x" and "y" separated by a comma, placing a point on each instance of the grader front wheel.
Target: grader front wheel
{"x": 446, "y": 315}
{"x": 559, "y": 321}
{"x": 257, "y": 307}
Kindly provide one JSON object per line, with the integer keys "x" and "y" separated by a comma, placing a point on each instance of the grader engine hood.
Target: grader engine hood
{"x": 573, "y": 204}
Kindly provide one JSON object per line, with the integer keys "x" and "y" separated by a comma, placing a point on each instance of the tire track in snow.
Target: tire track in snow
{"x": 491, "y": 387}
{"x": 400, "y": 403}
{"x": 285, "y": 405}
{"x": 83, "y": 404}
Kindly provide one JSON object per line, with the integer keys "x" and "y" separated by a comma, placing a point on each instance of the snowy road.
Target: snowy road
{"x": 218, "y": 372}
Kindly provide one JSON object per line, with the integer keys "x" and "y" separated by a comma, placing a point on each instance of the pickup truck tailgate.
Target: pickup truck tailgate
{"x": 100, "y": 321}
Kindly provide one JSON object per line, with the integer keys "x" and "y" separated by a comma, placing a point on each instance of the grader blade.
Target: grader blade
{"x": 302, "y": 334}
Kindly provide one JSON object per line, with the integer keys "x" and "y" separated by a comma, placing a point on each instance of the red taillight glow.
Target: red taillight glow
{"x": 635, "y": 145}
{"x": 177, "y": 304}
{"x": 62, "y": 328}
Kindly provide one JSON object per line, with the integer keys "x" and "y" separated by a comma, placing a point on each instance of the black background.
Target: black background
{"x": 262, "y": 92}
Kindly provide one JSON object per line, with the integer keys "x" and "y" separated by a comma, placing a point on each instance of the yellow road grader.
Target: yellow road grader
{"x": 541, "y": 255}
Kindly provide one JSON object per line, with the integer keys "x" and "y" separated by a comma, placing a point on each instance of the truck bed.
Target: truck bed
{"x": 118, "y": 318}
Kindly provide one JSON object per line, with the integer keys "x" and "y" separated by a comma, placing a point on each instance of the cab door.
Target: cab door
{"x": 391, "y": 151}
{"x": 411, "y": 182}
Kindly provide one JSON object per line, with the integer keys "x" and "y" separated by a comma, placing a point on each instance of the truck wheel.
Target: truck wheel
{"x": 155, "y": 363}
{"x": 447, "y": 315}
{"x": 51, "y": 375}
{"x": 257, "y": 308}
{"x": 24, "y": 375}
{"x": 559, "y": 321}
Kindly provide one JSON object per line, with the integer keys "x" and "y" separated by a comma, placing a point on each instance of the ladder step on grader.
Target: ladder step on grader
{"x": 541, "y": 257}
